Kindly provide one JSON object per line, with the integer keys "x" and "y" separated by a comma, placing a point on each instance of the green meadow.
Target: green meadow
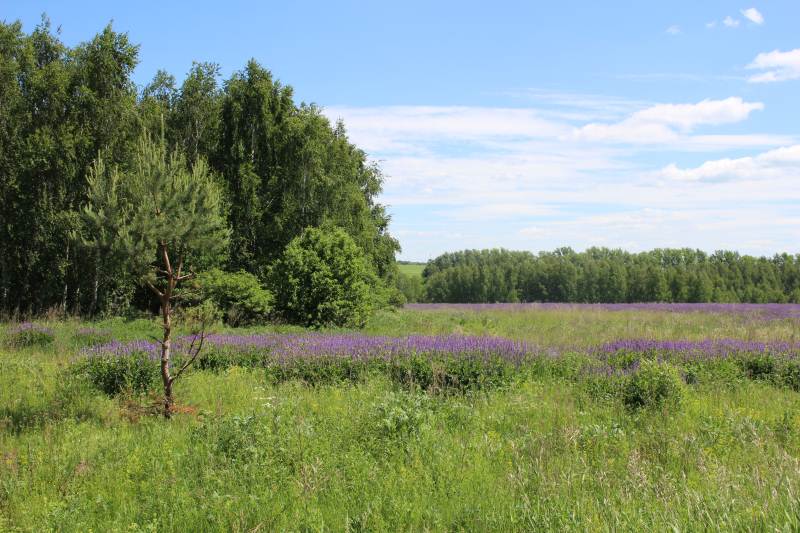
{"x": 547, "y": 450}
{"x": 411, "y": 269}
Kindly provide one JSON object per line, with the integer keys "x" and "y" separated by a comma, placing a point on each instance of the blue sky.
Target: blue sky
{"x": 523, "y": 124}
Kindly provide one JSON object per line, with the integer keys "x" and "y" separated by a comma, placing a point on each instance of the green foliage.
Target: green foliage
{"x": 323, "y": 278}
{"x": 239, "y": 295}
{"x": 287, "y": 168}
{"x": 281, "y": 167}
{"x": 113, "y": 375}
{"x": 790, "y": 374}
{"x": 410, "y": 285}
{"x": 401, "y": 415}
{"x": 242, "y": 440}
{"x": 450, "y": 374}
{"x": 653, "y": 385}
{"x": 28, "y": 335}
{"x": 601, "y": 275}
{"x": 761, "y": 366}
{"x": 246, "y": 451}
{"x": 157, "y": 203}
{"x": 85, "y": 337}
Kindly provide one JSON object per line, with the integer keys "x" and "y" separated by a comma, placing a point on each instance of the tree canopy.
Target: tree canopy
{"x": 602, "y": 275}
{"x": 281, "y": 166}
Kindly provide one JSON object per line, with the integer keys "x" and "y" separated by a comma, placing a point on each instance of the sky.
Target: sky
{"x": 523, "y": 125}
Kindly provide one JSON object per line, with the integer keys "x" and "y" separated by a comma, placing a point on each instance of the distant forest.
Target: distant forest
{"x": 608, "y": 276}
{"x": 282, "y": 165}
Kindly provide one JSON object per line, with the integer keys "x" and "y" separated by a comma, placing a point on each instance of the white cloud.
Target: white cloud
{"x": 666, "y": 122}
{"x": 711, "y": 25}
{"x": 753, "y": 15}
{"x": 394, "y": 128}
{"x": 777, "y": 66}
{"x": 781, "y": 163}
{"x": 755, "y": 229}
{"x": 730, "y": 22}
{"x": 464, "y": 177}
{"x": 673, "y": 30}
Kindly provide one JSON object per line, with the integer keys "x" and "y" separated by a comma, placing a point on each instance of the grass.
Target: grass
{"x": 412, "y": 269}
{"x": 543, "y": 453}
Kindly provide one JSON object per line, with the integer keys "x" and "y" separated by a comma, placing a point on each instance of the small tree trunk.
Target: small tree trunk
{"x": 95, "y": 286}
{"x": 166, "y": 342}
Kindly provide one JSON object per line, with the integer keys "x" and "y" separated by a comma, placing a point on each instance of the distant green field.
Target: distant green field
{"x": 412, "y": 269}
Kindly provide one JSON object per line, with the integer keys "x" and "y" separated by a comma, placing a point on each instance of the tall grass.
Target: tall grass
{"x": 542, "y": 453}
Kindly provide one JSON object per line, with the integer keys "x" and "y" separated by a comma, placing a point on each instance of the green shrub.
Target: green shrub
{"x": 653, "y": 385}
{"x": 28, "y": 334}
{"x": 410, "y": 286}
{"x": 624, "y": 359}
{"x": 401, "y": 414}
{"x": 217, "y": 358}
{"x": 115, "y": 374}
{"x": 789, "y": 374}
{"x": 324, "y": 279}
{"x": 321, "y": 370}
{"x": 758, "y": 366}
{"x": 458, "y": 374}
{"x": 238, "y": 295}
{"x": 240, "y": 439}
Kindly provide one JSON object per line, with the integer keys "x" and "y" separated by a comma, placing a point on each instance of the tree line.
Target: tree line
{"x": 602, "y": 275}
{"x": 282, "y": 167}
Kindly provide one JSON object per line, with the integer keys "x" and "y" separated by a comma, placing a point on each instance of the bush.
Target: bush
{"x": 115, "y": 374}
{"x": 238, "y": 295}
{"x": 240, "y": 439}
{"x": 324, "y": 279}
{"x": 321, "y": 370}
{"x": 411, "y": 287}
{"x": 216, "y": 358}
{"x": 444, "y": 374}
{"x": 401, "y": 414}
{"x": 790, "y": 374}
{"x": 654, "y": 385}
{"x": 758, "y": 366}
{"x": 29, "y": 334}
{"x": 90, "y": 337}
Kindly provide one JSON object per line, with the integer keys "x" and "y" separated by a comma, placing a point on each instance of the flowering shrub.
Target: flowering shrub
{"x": 29, "y": 334}
{"x": 120, "y": 367}
{"x": 425, "y": 362}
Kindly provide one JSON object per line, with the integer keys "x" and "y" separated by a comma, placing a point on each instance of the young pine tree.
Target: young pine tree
{"x": 160, "y": 218}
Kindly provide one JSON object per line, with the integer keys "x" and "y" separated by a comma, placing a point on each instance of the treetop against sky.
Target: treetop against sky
{"x": 519, "y": 124}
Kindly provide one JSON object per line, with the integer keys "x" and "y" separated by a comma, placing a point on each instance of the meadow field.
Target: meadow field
{"x": 411, "y": 269}
{"x": 505, "y": 417}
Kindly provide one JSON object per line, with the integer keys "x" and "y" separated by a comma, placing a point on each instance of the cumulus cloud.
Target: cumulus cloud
{"x": 753, "y": 15}
{"x": 776, "y": 66}
{"x": 464, "y": 177}
{"x": 666, "y": 122}
{"x": 781, "y": 162}
{"x": 673, "y": 30}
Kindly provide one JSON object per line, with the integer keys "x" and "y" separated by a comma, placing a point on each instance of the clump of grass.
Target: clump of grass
{"x": 29, "y": 334}
{"x": 112, "y": 375}
{"x": 85, "y": 337}
{"x": 653, "y": 385}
